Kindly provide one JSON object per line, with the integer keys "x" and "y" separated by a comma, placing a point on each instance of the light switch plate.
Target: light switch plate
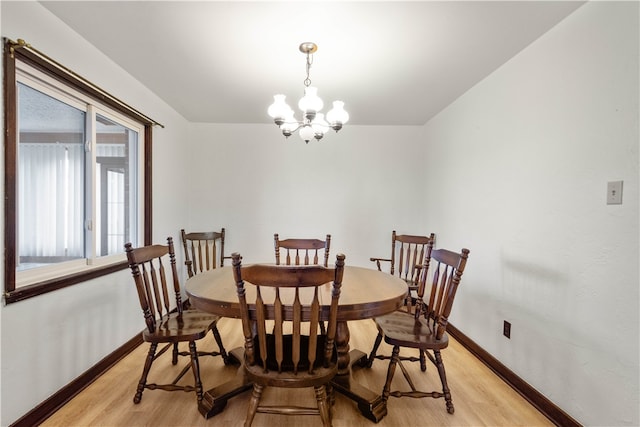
{"x": 614, "y": 193}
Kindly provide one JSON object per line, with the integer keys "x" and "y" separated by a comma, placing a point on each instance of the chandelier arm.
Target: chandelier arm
{"x": 299, "y": 125}
{"x": 304, "y": 124}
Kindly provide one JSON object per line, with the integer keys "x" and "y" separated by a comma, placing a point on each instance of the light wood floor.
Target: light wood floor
{"x": 480, "y": 398}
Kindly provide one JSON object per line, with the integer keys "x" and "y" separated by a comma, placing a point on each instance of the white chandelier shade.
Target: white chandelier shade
{"x": 313, "y": 124}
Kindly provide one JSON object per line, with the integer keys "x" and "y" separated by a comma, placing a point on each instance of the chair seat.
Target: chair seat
{"x": 286, "y": 379}
{"x": 191, "y": 326}
{"x": 320, "y": 373}
{"x": 403, "y": 329}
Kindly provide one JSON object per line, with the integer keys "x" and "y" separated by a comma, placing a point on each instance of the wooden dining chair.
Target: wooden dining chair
{"x": 407, "y": 254}
{"x": 425, "y": 328}
{"x": 296, "y": 354}
{"x": 156, "y": 279}
{"x": 201, "y": 250}
{"x": 302, "y": 251}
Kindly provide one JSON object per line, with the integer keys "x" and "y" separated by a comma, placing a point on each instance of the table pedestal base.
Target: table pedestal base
{"x": 369, "y": 403}
{"x": 215, "y": 400}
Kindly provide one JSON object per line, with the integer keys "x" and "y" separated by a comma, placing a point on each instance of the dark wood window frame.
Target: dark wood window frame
{"x": 22, "y": 51}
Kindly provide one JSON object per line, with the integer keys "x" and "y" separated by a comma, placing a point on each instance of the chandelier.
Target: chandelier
{"x": 313, "y": 123}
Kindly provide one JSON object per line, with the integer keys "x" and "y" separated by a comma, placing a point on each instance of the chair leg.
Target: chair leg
{"x": 395, "y": 356}
{"x": 145, "y": 372}
{"x": 253, "y": 404}
{"x": 331, "y": 395}
{"x": 223, "y": 352}
{"x": 174, "y": 357}
{"x": 423, "y": 361}
{"x": 195, "y": 367}
{"x": 323, "y": 408}
{"x": 443, "y": 379}
{"x": 369, "y": 361}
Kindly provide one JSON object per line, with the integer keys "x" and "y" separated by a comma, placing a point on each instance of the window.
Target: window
{"x": 77, "y": 176}
{"x": 72, "y": 204}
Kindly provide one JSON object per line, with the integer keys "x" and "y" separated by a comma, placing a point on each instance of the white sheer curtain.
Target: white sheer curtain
{"x": 113, "y": 199}
{"x": 116, "y": 210}
{"x": 51, "y": 200}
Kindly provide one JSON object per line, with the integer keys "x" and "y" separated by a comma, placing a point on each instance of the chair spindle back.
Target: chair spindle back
{"x": 407, "y": 252}
{"x": 150, "y": 276}
{"x": 442, "y": 271}
{"x": 309, "y": 249}
{"x": 288, "y": 296}
{"x": 201, "y": 250}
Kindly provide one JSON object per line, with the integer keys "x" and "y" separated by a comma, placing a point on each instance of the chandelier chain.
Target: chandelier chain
{"x": 307, "y": 81}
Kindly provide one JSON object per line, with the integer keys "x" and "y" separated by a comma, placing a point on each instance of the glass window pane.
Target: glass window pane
{"x": 51, "y": 195}
{"x": 116, "y": 157}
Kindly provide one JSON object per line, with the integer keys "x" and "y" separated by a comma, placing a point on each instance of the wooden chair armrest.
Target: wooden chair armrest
{"x": 378, "y": 260}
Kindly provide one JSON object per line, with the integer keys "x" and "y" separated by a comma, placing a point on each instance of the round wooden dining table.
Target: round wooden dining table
{"x": 365, "y": 293}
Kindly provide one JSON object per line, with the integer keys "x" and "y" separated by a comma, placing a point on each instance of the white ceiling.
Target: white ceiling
{"x": 392, "y": 63}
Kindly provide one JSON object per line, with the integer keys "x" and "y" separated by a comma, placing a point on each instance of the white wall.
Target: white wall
{"x": 357, "y": 185}
{"x": 523, "y": 164}
{"x": 50, "y": 340}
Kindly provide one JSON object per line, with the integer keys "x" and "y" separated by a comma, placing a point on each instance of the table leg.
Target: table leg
{"x": 215, "y": 399}
{"x": 369, "y": 402}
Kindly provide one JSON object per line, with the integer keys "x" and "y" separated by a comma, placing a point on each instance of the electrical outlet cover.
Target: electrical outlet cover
{"x": 614, "y": 193}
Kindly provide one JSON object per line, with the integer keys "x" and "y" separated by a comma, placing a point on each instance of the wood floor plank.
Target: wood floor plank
{"x": 480, "y": 398}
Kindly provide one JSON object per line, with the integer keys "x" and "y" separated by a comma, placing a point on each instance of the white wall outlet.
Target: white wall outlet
{"x": 614, "y": 193}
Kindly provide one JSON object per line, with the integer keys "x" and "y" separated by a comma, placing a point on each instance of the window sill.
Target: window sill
{"x": 50, "y": 285}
